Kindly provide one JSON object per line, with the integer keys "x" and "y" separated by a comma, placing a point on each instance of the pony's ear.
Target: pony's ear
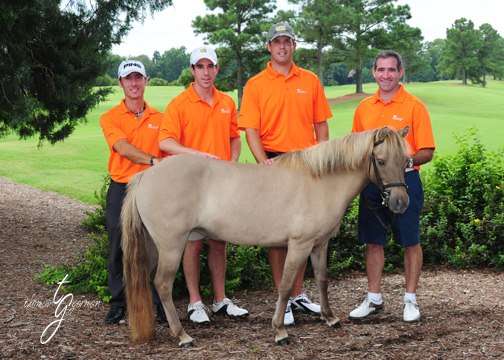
{"x": 404, "y": 131}
{"x": 381, "y": 134}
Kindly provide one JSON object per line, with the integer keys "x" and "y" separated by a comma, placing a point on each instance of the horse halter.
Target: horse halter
{"x": 384, "y": 188}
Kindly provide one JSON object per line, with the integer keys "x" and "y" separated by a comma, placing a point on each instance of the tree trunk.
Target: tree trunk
{"x": 358, "y": 71}
{"x": 239, "y": 78}
{"x": 358, "y": 80}
{"x": 464, "y": 77}
{"x": 319, "y": 61}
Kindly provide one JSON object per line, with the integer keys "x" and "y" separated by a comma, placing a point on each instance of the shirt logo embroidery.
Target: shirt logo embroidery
{"x": 301, "y": 91}
{"x": 397, "y": 118}
{"x": 152, "y": 126}
{"x": 225, "y": 111}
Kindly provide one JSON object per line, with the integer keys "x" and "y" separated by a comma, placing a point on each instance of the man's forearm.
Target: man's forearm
{"x": 255, "y": 144}
{"x": 171, "y": 146}
{"x": 321, "y": 131}
{"x": 423, "y": 156}
{"x": 235, "y": 148}
{"x": 132, "y": 153}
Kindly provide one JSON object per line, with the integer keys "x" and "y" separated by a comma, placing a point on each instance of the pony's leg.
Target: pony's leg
{"x": 168, "y": 264}
{"x": 319, "y": 264}
{"x": 293, "y": 262}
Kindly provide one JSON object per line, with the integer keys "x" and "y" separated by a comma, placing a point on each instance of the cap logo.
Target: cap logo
{"x": 131, "y": 64}
{"x": 203, "y": 50}
{"x": 281, "y": 28}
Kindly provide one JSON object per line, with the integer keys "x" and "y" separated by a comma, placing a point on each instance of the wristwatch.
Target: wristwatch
{"x": 409, "y": 163}
{"x": 151, "y": 161}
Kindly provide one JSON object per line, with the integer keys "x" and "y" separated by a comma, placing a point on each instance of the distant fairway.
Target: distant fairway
{"x": 76, "y": 166}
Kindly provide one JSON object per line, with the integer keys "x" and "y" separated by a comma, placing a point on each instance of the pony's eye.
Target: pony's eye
{"x": 381, "y": 162}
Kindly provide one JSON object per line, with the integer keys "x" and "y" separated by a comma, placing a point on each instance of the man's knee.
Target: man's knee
{"x": 374, "y": 248}
{"x": 216, "y": 246}
{"x": 413, "y": 250}
{"x": 194, "y": 247}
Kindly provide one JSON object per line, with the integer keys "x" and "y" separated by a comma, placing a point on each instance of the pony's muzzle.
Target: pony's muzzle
{"x": 398, "y": 201}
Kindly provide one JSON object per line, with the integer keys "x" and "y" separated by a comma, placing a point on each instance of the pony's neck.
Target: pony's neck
{"x": 341, "y": 188}
{"x": 348, "y": 153}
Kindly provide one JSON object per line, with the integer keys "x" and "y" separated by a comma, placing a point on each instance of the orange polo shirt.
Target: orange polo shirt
{"x": 284, "y": 108}
{"x": 193, "y": 123}
{"x": 402, "y": 110}
{"x": 119, "y": 123}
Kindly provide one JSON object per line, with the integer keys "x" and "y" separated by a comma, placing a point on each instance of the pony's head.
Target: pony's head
{"x": 387, "y": 164}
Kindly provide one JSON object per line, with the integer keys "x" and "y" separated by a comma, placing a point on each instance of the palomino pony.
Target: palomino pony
{"x": 297, "y": 203}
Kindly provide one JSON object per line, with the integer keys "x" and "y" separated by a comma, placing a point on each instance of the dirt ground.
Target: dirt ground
{"x": 463, "y": 311}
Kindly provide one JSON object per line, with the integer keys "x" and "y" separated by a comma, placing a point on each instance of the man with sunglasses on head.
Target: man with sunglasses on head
{"x": 283, "y": 109}
{"x": 393, "y": 106}
{"x": 203, "y": 121}
{"x": 131, "y": 130}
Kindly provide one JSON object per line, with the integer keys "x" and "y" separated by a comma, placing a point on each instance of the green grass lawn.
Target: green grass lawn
{"x": 76, "y": 166}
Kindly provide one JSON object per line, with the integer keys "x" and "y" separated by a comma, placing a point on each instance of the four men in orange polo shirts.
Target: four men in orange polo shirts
{"x": 284, "y": 108}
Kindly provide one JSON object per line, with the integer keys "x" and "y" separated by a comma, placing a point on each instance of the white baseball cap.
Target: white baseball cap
{"x": 203, "y": 52}
{"x": 130, "y": 66}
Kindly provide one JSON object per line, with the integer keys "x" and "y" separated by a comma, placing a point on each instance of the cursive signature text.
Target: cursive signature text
{"x": 59, "y": 313}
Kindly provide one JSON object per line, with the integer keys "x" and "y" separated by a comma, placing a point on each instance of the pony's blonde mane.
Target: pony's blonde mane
{"x": 347, "y": 153}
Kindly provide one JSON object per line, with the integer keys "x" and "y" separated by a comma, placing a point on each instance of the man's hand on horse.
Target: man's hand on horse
{"x": 207, "y": 155}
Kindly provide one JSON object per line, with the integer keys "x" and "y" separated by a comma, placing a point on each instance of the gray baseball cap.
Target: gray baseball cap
{"x": 281, "y": 29}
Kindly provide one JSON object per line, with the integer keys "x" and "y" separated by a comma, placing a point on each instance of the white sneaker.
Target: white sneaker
{"x": 304, "y": 304}
{"x": 365, "y": 309}
{"x": 227, "y": 307}
{"x": 198, "y": 313}
{"x": 411, "y": 311}
{"x": 289, "y": 316}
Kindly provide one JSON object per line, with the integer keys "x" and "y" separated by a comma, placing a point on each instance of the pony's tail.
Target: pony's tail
{"x": 136, "y": 269}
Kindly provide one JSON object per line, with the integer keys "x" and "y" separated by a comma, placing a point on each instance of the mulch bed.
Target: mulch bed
{"x": 463, "y": 311}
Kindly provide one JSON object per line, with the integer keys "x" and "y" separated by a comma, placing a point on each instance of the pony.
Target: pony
{"x": 298, "y": 203}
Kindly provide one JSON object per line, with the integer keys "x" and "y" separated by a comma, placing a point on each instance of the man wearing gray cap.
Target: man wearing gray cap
{"x": 202, "y": 121}
{"x": 131, "y": 130}
{"x": 284, "y": 108}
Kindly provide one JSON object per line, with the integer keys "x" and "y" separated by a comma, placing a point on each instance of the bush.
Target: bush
{"x": 247, "y": 266}
{"x": 462, "y": 225}
{"x": 185, "y": 78}
{"x": 90, "y": 274}
{"x": 345, "y": 253}
{"x": 463, "y": 222}
{"x": 158, "y": 82}
{"x": 105, "y": 80}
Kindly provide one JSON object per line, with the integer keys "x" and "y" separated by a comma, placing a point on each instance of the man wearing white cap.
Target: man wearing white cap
{"x": 131, "y": 130}
{"x": 203, "y": 121}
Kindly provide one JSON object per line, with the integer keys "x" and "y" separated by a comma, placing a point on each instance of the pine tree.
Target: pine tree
{"x": 51, "y": 53}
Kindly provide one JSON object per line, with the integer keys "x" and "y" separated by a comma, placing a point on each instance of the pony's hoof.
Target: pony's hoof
{"x": 334, "y": 323}
{"x": 186, "y": 345}
{"x": 283, "y": 342}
